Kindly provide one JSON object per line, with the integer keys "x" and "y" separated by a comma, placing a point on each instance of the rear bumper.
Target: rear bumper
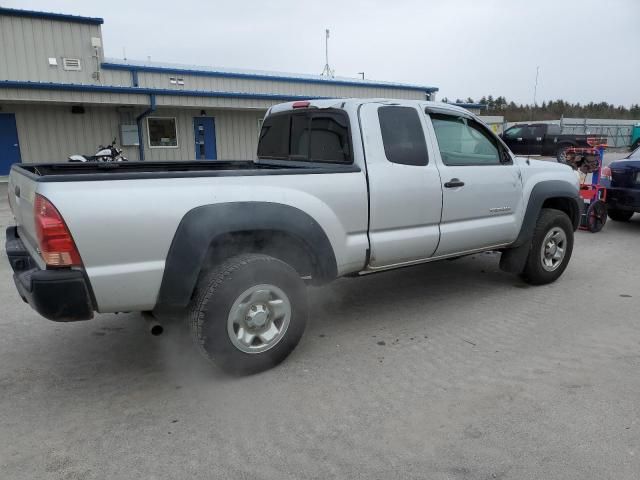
{"x": 61, "y": 295}
{"x": 623, "y": 198}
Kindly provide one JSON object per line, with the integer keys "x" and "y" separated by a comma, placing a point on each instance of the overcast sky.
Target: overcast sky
{"x": 587, "y": 50}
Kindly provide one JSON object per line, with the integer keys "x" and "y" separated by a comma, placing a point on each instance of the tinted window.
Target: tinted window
{"x": 463, "y": 141}
{"x": 299, "y": 139}
{"x": 329, "y": 138}
{"x": 306, "y": 135}
{"x": 514, "y": 132}
{"x": 274, "y": 137}
{"x": 553, "y": 129}
{"x": 537, "y": 130}
{"x": 402, "y": 135}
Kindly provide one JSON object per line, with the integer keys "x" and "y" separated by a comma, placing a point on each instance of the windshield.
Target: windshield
{"x": 635, "y": 155}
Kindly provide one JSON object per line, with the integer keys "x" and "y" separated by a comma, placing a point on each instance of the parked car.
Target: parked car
{"x": 622, "y": 178}
{"x": 545, "y": 139}
{"x": 340, "y": 187}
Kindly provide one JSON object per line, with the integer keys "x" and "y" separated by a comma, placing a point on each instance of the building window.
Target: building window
{"x": 162, "y": 132}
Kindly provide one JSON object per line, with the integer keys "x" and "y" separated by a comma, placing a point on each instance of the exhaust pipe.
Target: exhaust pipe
{"x": 154, "y": 326}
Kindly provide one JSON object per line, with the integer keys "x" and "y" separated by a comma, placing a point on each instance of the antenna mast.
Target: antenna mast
{"x": 327, "y": 72}
{"x": 535, "y": 87}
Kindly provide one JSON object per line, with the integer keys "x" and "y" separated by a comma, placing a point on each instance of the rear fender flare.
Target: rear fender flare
{"x": 201, "y": 225}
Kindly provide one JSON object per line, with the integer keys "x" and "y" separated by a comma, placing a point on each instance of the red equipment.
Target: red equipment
{"x": 589, "y": 161}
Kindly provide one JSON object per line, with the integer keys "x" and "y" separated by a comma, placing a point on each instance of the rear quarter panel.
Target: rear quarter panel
{"x": 124, "y": 228}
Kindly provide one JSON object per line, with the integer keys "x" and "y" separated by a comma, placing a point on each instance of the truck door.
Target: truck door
{"x": 514, "y": 137}
{"x": 482, "y": 188}
{"x": 405, "y": 192}
{"x": 532, "y": 139}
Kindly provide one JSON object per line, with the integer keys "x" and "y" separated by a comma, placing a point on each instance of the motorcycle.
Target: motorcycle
{"x": 110, "y": 153}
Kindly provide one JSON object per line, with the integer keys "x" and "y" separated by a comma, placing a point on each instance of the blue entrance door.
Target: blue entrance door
{"x": 205, "y": 138}
{"x": 9, "y": 148}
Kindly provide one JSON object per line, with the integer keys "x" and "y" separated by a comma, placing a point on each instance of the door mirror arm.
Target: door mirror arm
{"x": 505, "y": 157}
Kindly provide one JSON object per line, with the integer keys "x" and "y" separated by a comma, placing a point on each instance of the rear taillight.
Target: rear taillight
{"x": 56, "y": 244}
{"x": 301, "y": 104}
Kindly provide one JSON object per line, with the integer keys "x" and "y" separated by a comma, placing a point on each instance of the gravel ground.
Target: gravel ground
{"x": 451, "y": 370}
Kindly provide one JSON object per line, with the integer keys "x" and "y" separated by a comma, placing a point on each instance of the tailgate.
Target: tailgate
{"x": 21, "y": 191}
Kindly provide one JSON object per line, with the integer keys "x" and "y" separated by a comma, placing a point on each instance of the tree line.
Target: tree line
{"x": 552, "y": 110}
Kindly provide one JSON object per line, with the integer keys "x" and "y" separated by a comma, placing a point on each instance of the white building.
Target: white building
{"x": 59, "y": 95}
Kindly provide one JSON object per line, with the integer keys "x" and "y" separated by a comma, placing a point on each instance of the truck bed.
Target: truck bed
{"x": 77, "y": 172}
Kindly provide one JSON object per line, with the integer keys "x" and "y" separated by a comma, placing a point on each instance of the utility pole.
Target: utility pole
{"x": 535, "y": 87}
{"x": 535, "y": 92}
{"x": 361, "y": 73}
{"x": 327, "y": 72}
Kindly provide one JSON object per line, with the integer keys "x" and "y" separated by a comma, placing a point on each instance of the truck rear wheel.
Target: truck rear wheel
{"x": 249, "y": 313}
{"x": 551, "y": 248}
{"x": 561, "y": 153}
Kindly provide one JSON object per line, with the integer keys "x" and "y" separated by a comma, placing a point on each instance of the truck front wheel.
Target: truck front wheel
{"x": 249, "y": 313}
{"x": 551, "y": 247}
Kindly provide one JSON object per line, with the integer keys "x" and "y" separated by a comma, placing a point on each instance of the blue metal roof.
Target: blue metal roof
{"x": 140, "y": 66}
{"x": 63, "y": 17}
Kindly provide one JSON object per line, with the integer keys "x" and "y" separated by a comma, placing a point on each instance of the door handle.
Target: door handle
{"x": 453, "y": 183}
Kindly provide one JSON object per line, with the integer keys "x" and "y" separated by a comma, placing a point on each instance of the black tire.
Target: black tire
{"x": 596, "y": 216}
{"x": 561, "y": 153}
{"x": 217, "y": 292}
{"x": 549, "y": 220}
{"x": 620, "y": 215}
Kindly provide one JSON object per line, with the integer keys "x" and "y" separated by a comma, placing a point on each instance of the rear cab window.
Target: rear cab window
{"x": 313, "y": 135}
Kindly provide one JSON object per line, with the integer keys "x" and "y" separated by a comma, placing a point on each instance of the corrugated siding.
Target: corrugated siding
{"x": 119, "y": 78}
{"x": 27, "y": 43}
{"x": 237, "y": 134}
{"x": 53, "y": 96}
{"x": 206, "y": 83}
{"x": 52, "y": 133}
{"x": 213, "y": 102}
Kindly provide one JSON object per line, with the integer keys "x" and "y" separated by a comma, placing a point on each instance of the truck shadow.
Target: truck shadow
{"x": 408, "y": 292}
{"x": 119, "y": 347}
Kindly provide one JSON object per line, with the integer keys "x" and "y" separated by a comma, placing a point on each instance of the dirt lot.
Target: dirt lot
{"x": 445, "y": 371}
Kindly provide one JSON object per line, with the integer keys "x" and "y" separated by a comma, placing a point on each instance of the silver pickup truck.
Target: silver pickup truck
{"x": 340, "y": 187}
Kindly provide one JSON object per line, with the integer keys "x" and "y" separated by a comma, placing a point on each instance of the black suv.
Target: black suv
{"x": 623, "y": 196}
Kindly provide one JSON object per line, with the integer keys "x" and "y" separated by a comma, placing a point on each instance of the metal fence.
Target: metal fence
{"x": 617, "y": 132}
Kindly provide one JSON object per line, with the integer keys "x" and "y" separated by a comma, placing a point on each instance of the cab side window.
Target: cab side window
{"x": 514, "y": 132}
{"x": 463, "y": 141}
{"x": 402, "y": 135}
